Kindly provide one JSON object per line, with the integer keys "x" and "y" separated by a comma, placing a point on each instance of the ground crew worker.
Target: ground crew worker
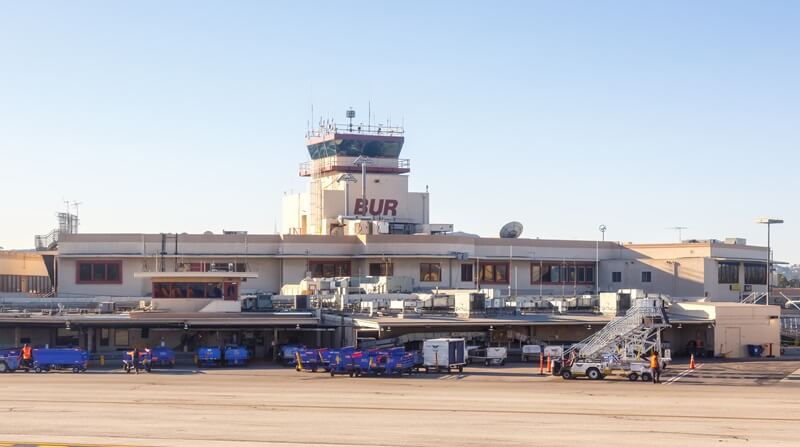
{"x": 27, "y": 356}
{"x": 135, "y": 359}
{"x": 655, "y": 367}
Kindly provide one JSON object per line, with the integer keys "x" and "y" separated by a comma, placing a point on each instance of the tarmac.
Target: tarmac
{"x": 730, "y": 403}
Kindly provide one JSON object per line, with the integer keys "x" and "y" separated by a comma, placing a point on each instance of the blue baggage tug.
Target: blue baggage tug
{"x": 236, "y": 356}
{"x": 57, "y": 359}
{"x": 373, "y": 362}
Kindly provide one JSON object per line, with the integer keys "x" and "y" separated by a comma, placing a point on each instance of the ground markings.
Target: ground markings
{"x": 792, "y": 378}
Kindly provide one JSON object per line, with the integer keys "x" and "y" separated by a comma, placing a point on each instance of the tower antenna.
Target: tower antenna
{"x": 679, "y": 229}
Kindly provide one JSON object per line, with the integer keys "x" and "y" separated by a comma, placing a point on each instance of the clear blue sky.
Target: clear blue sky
{"x": 190, "y": 116}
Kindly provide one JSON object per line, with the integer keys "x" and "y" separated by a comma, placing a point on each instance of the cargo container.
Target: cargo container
{"x": 443, "y": 354}
{"x": 54, "y": 359}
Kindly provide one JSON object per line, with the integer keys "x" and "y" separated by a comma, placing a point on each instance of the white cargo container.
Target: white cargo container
{"x": 440, "y": 354}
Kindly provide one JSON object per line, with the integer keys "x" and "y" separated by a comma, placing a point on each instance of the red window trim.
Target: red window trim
{"x": 563, "y": 264}
{"x": 78, "y": 264}
{"x": 493, "y": 263}
{"x": 430, "y": 271}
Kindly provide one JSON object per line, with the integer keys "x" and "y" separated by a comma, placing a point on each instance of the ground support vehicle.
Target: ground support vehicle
{"x": 487, "y": 356}
{"x": 235, "y": 356}
{"x": 56, "y": 359}
{"x": 307, "y": 360}
{"x": 399, "y": 362}
{"x": 443, "y": 354}
{"x": 344, "y": 362}
{"x": 162, "y": 357}
{"x": 209, "y": 356}
{"x": 10, "y": 360}
{"x": 326, "y": 356}
{"x": 580, "y": 368}
{"x": 369, "y": 363}
{"x": 144, "y": 362}
{"x": 286, "y": 353}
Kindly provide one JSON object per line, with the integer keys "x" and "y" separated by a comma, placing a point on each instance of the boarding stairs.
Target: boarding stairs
{"x": 626, "y": 337}
{"x": 754, "y": 298}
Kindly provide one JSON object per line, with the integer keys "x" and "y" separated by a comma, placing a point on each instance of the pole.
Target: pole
{"x": 364, "y": 185}
{"x": 597, "y": 268}
{"x": 510, "y": 258}
{"x": 769, "y": 261}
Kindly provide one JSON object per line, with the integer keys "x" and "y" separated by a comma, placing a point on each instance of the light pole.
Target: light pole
{"x": 769, "y": 222}
{"x": 347, "y": 178}
{"x": 363, "y": 161}
{"x": 602, "y": 229}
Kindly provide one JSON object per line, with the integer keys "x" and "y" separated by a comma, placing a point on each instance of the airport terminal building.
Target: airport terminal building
{"x": 356, "y": 241}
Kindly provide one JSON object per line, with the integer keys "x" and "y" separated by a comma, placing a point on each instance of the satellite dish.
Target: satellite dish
{"x": 511, "y": 230}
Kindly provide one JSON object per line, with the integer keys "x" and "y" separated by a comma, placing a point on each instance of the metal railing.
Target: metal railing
{"x": 46, "y": 241}
{"x": 358, "y": 129}
{"x": 345, "y": 164}
{"x": 754, "y": 298}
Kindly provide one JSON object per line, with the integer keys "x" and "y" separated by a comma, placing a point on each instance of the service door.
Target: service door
{"x": 733, "y": 342}
{"x": 231, "y": 291}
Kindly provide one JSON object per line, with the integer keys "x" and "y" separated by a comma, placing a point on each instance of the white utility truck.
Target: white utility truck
{"x": 443, "y": 354}
{"x": 487, "y": 356}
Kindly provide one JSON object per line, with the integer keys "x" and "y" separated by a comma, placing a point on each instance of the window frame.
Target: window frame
{"x": 616, "y": 275}
{"x": 647, "y": 276}
{"x": 105, "y": 263}
{"x": 748, "y": 268}
{"x": 427, "y": 267}
{"x": 468, "y": 272}
{"x": 720, "y": 270}
{"x": 338, "y": 265}
{"x": 494, "y": 265}
{"x": 383, "y": 268}
{"x": 565, "y": 273}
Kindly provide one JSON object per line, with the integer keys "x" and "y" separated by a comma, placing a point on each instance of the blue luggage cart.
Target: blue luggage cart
{"x": 307, "y": 360}
{"x": 236, "y": 355}
{"x": 287, "y": 354}
{"x": 55, "y": 359}
{"x": 162, "y": 357}
{"x": 10, "y": 360}
{"x": 209, "y": 356}
{"x": 344, "y": 362}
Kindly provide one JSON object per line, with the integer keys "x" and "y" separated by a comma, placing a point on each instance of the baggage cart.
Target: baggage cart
{"x": 58, "y": 359}
{"x": 209, "y": 356}
{"x": 236, "y": 355}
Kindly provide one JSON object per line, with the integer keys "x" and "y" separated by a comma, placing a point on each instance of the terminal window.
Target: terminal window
{"x": 728, "y": 273}
{"x": 755, "y": 273}
{"x": 616, "y": 276}
{"x": 430, "y": 272}
{"x": 329, "y": 269}
{"x": 647, "y": 276}
{"x": 494, "y": 272}
{"x": 466, "y": 272}
{"x": 562, "y": 273}
{"x": 99, "y": 272}
{"x": 381, "y": 269}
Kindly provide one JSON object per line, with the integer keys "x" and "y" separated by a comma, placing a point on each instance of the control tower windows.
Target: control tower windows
{"x": 430, "y": 272}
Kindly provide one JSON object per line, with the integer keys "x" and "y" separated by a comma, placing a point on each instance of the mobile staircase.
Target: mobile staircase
{"x": 621, "y": 344}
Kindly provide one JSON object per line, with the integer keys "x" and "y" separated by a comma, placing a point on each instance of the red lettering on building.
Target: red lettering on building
{"x": 375, "y": 207}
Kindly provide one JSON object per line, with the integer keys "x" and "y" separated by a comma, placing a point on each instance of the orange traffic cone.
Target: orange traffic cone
{"x": 691, "y": 362}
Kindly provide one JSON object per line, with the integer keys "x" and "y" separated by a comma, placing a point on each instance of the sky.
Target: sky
{"x": 187, "y": 116}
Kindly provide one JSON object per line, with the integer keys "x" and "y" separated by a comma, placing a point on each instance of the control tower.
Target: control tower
{"x": 358, "y": 184}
